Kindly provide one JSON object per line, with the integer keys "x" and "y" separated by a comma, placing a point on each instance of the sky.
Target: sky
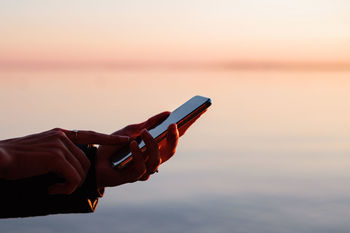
{"x": 184, "y": 31}
{"x": 282, "y": 137}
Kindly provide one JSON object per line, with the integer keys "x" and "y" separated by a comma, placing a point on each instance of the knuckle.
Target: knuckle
{"x": 55, "y": 130}
{"x": 58, "y": 134}
{"x": 61, "y": 134}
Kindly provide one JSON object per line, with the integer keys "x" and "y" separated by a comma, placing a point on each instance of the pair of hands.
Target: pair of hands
{"x": 55, "y": 151}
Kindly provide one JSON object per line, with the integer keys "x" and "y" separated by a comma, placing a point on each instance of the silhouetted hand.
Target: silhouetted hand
{"x": 51, "y": 151}
{"x": 144, "y": 163}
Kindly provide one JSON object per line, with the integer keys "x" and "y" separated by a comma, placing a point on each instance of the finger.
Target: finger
{"x": 91, "y": 137}
{"x": 172, "y": 139}
{"x": 152, "y": 152}
{"x": 155, "y": 120}
{"x": 138, "y": 167}
{"x": 60, "y": 150}
{"x": 79, "y": 156}
{"x": 152, "y": 122}
{"x": 134, "y": 130}
{"x": 64, "y": 169}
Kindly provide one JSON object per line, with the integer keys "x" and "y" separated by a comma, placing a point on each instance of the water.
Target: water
{"x": 271, "y": 154}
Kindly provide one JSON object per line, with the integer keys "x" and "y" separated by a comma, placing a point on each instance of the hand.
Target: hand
{"x": 51, "y": 151}
{"x": 139, "y": 168}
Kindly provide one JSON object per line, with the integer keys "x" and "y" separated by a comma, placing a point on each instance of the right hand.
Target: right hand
{"x": 52, "y": 151}
{"x": 140, "y": 168}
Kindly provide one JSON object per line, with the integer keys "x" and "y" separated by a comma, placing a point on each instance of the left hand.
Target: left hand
{"x": 139, "y": 168}
{"x": 52, "y": 151}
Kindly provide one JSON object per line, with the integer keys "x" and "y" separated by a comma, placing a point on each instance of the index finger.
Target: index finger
{"x": 91, "y": 137}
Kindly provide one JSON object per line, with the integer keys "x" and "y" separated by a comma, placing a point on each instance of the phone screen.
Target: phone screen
{"x": 180, "y": 116}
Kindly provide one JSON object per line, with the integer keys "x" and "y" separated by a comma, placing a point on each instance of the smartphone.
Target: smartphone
{"x": 180, "y": 116}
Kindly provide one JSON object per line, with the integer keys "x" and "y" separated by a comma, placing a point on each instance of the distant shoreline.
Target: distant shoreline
{"x": 249, "y": 66}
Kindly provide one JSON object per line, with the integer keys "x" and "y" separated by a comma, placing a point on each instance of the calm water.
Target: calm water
{"x": 271, "y": 155}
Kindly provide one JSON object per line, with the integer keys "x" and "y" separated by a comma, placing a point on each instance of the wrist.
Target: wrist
{"x": 90, "y": 184}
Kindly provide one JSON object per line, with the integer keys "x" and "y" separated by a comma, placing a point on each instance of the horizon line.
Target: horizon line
{"x": 230, "y": 65}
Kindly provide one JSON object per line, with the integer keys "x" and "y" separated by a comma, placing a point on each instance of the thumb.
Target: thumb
{"x": 154, "y": 121}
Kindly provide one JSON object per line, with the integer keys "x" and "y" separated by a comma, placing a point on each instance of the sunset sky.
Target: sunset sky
{"x": 271, "y": 155}
{"x": 182, "y": 31}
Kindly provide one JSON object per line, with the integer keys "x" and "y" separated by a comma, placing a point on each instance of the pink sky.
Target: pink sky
{"x": 157, "y": 32}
